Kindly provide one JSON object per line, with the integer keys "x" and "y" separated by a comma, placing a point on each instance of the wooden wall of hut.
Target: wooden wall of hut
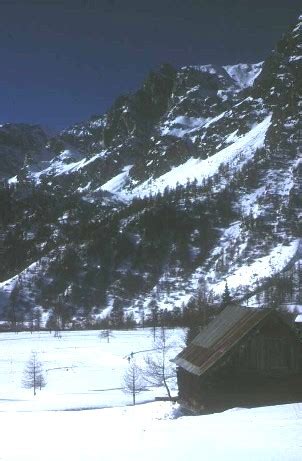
{"x": 264, "y": 368}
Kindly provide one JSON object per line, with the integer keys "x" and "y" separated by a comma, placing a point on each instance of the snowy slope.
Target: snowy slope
{"x": 244, "y": 74}
{"x": 116, "y": 184}
{"x": 252, "y": 275}
{"x": 235, "y": 155}
{"x": 182, "y": 125}
{"x": 64, "y": 164}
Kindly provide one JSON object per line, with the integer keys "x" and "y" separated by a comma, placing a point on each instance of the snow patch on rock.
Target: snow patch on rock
{"x": 236, "y": 155}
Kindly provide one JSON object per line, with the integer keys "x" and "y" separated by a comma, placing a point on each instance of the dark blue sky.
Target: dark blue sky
{"x": 62, "y": 61}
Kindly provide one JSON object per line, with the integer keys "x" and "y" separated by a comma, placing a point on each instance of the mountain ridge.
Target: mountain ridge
{"x": 191, "y": 182}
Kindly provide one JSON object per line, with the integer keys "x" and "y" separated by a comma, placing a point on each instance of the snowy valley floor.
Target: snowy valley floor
{"x": 145, "y": 432}
{"x": 79, "y": 367}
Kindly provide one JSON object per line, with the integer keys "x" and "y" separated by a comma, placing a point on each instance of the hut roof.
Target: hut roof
{"x": 219, "y": 337}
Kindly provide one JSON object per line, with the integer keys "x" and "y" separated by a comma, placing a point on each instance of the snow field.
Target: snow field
{"x": 84, "y": 372}
{"x": 81, "y": 370}
{"x": 146, "y": 432}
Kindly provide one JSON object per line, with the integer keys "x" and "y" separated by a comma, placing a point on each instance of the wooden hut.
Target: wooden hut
{"x": 244, "y": 357}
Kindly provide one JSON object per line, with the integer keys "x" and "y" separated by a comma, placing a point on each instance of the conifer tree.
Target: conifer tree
{"x": 226, "y": 297}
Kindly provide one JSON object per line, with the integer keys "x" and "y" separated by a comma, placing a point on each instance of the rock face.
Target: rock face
{"x": 132, "y": 115}
{"x": 19, "y": 143}
{"x": 192, "y": 181}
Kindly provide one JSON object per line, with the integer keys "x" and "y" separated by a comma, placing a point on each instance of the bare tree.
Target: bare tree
{"x": 158, "y": 369}
{"x": 133, "y": 382}
{"x": 33, "y": 377}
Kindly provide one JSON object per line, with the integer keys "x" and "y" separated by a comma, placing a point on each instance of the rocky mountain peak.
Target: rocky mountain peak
{"x": 18, "y": 141}
{"x": 280, "y": 78}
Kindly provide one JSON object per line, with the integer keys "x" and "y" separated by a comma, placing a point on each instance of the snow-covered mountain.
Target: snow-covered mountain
{"x": 191, "y": 182}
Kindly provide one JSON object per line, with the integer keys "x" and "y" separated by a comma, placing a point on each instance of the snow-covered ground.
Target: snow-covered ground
{"x": 147, "y": 432}
{"x": 84, "y": 374}
{"x": 82, "y": 370}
